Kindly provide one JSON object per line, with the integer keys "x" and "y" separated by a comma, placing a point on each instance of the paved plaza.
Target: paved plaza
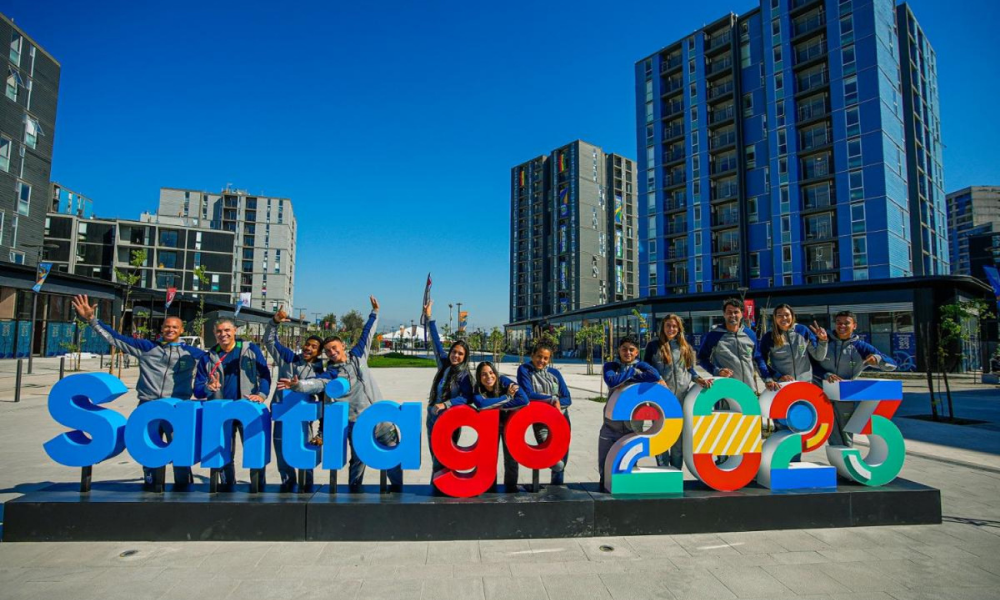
{"x": 957, "y": 559}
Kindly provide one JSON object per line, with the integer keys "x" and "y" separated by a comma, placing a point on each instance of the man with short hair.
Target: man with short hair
{"x": 307, "y": 363}
{"x": 847, "y": 357}
{"x": 166, "y": 368}
{"x": 731, "y": 349}
{"x": 233, "y": 369}
{"x": 353, "y": 366}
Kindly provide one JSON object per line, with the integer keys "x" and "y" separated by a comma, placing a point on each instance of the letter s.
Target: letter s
{"x": 73, "y": 403}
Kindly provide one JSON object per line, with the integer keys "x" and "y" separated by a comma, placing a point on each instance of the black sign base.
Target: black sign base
{"x": 114, "y": 511}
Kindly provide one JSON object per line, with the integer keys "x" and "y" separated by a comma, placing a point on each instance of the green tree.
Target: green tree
{"x": 496, "y": 344}
{"x": 352, "y": 323}
{"x": 476, "y": 341}
{"x": 330, "y": 318}
{"x": 590, "y": 336}
{"x": 204, "y": 280}
{"x": 955, "y": 329}
{"x": 128, "y": 278}
{"x": 643, "y": 324}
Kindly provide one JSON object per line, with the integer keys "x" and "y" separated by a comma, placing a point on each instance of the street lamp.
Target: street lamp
{"x": 459, "y": 304}
{"x": 34, "y": 300}
{"x": 449, "y": 316}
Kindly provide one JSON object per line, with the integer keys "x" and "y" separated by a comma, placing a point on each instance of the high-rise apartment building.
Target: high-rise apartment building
{"x": 67, "y": 202}
{"x": 573, "y": 231}
{"x": 922, "y": 124}
{"x": 265, "y": 234}
{"x": 27, "y": 134}
{"x": 972, "y": 211}
{"x": 772, "y": 152}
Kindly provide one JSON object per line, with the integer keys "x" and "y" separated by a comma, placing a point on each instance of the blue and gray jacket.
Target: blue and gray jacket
{"x": 290, "y": 364}
{"x": 247, "y": 370}
{"x": 846, "y": 359}
{"x": 677, "y": 378}
{"x": 504, "y": 402}
{"x": 461, "y": 385}
{"x": 543, "y": 384}
{"x": 165, "y": 370}
{"x": 793, "y": 357}
{"x": 735, "y": 350}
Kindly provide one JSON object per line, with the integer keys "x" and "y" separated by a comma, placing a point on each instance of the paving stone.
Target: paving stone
{"x": 804, "y": 579}
{"x": 517, "y": 588}
{"x": 746, "y": 582}
{"x": 464, "y": 588}
{"x": 575, "y": 587}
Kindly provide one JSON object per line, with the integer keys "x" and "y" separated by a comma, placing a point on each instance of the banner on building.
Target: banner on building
{"x": 41, "y": 275}
{"x": 243, "y": 301}
{"x": 171, "y": 292}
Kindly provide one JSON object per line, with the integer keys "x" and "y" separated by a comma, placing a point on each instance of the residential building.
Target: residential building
{"x": 922, "y": 125}
{"x": 265, "y": 234}
{"x": 972, "y": 211}
{"x": 67, "y": 202}
{"x": 27, "y": 134}
{"x": 173, "y": 248}
{"x": 984, "y": 251}
{"x": 573, "y": 231}
{"x": 773, "y": 152}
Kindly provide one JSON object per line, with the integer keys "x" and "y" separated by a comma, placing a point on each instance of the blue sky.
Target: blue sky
{"x": 393, "y": 126}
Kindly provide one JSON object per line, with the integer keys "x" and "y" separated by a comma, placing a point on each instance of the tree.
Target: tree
{"x": 198, "y": 324}
{"x": 476, "y": 340}
{"x": 590, "y": 336}
{"x": 496, "y": 343}
{"x": 643, "y": 324}
{"x": 129, "y": 279}
{"x": 329, "y": 321}
{"x": 352, "y": 323}
{"x": 954, "y": 331}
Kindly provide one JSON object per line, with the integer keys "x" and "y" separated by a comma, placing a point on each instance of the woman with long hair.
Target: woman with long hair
{"x": 493, "y": 391}
{"x": 788, "y": 347}
{"x": 451, "y": 385}
{"x": 674, "y": 358}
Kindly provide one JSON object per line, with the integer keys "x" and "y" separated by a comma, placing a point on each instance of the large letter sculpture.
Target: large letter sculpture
{"x": 468, "y": 471}
{"x": 546, "y": 454}
{"x": 218, "y": 419}
{"x": 807, "y": 417}
{"x": 295, "y": 409}
{"x": 181, "y": 417}
{"x": 643, "y": 402}
{"x": 73, "y": 402}
{"x": 725, "y": 433}
{"x": 335, "y": 419}
{"x": 406, "y": 418}
{"x": 877, "y": 401}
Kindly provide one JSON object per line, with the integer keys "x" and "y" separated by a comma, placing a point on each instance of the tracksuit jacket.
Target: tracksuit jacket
{"x": 677, "y": 378}
{"x": 846, "y": 358}
{"x": 736, "y": 350}
{"x": 793, "y": 357}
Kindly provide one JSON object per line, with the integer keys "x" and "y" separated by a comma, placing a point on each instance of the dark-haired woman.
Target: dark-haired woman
{"x": 788, "y": 347}
{"x": 674, "y": 358}
{"x": 452, "y": 382}
{"x": 493, "y": 391}
{"x": 542, "y": 383}
{"x": 626, "y": 370}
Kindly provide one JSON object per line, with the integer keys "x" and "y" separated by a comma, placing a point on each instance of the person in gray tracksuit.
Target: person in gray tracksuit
{"x": 790, "y": 348}
{"x": 353, "y": 366}
{"x": 307, "y": 363}
{"x": 731, "y": 350}
{"x": 166, "y": 369}
{"x": 542, "y": 383}
{"x": 846, "y": 358}
{"x": 674, "y": 359}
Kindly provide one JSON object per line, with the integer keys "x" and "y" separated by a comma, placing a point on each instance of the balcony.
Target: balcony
{"x": 718, "y": 91}
{"x": 669, "y": 157}
{"x": 723, "y": 140}
{"x": 815, "y": 168}
{"x": 670, "y": 133}
{"x": 726, "y": 217}
{"x": 672, "y": 108}
{"x": 725, "y": 164}
{"x": 679, "y": 278}
{"x": 720, "y": 65}
{"x": 719, "y": 40}
{"x": 676, "y": 177}
{"x": 806, "y": 25}
{"x": 677, "y": 252}
{"x": 670, "y": 205}
{"x": 797, "y": 4}
{"x": 812, "y": 109}
{"x": 810, "y": 52}
{"x": 819, "y": 227}
{"x": 812, "y": 81}
{"x": 725, "y": 192}
{"x": 722, "y": 114}
{"x": 676, "y": 227}
{"x": 815, "y": 138}
{"x": 671, "y": 63}
{"x": 817, "y": 197}
{"x": 821, "y": 265}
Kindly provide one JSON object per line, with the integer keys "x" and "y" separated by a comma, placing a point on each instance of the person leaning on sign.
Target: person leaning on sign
{"x": 353, "y": 366}
{"x": 307, "y": 363}
{"x": 542, "y": 383}
{"x": 165, "y": 369}
{"x": 499, "y": 392}
{"x": 731, "y": 350}
{"x": 846, "y": 358}
{"x": 233, "y": 369}
{"x": 627, "y": 370}
{"x": 452, "y": 383}
{"x": 790, "y": 348}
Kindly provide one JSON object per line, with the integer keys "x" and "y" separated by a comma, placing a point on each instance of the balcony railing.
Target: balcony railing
{"x": 672, "y": 108}
{"x": 821, "y": 265}
{"x": 819, "y": 232}
{"x": 725, "y": 165}
{"x": 671, "y": 63}
{"x": 818, "y": 198}
{"x": 672, "y": 85}
{"x": 719, "y": 39}
{"x": 672, "y": 204}
{"x": 672, "y": 156}
{"x": 675, "y": 227}
{"x": 718, "y": 141}
{"x": 815, "y": 138}
{"x": 724, "y": 192}
{"x": 677, "y": 251}
{"x": 812, "y": 110}
{"x": 726, "y": 217}
{"x": 807, "y": 25}
{"x": 813, "y": 170}
{"x": 672, "y": 132}
{"x": 717, "y": 91}
{"x": 722, "y": 114}
{"x": 812, "y": 81}
{"x": 722, "y": 64}
{"x": 813, "y": 50}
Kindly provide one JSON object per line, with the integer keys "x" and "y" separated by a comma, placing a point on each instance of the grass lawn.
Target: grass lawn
{"x": 396, "y": 360}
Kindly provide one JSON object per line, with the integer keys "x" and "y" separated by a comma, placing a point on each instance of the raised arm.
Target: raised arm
{"x": 275, "y": 348}
{"x": 364, "y": 346}
{"x": 201, "y": 390}
{"x": 819, "y": 341}
{"x": 439, "y": 355}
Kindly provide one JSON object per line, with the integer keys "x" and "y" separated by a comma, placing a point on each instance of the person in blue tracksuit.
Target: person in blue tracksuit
{"x": 673, "y": 357}
{"x": 233, "y": 369}
{"x": 731, "y": 349}
{"x": 493, "y": 391}
{"x": 628, "y": 369}
{"x": 305, "y": 364}
{"x": 166, "y": 370}
{"x": 846, "y": 358}
{"x": 452, "y": 383}
{"x": 542, "y": 383}
{"x": 353, "y": 366}
{"x": 790, "y": 348}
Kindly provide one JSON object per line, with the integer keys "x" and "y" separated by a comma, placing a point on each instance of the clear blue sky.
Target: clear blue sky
{"x": 393, "y": 126}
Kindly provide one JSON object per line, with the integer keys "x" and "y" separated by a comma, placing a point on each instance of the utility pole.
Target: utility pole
{"x": 450, "y": 306}
{"x": 459, "y": 304}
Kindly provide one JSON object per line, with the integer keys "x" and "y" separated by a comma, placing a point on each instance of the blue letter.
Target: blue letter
{"x": 217, "y": 433}
{"x": 295, "y": 409}
{"x": 142, "y": 434}
{"x": 406, "y": 417}
{"x": 73, "y": 403}
{"x": 335, "y": 435}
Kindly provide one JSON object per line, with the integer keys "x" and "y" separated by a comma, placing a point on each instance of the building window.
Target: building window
{"x": 854, "y": 153}
{"x": 782, "y": 142}
{"x": 775, "y": 32}
{"x": 744, "y": 54}
{"x": 750, "y": 156}
{"x": 693, "y": 91}
{"x": 851, "y": 90}
{"x": 31, "y": 132}
{"x": 779, "y": 82}
{"x": 847, "y": 30}
{"x": 849, "y": 65}
{"x": 853, "y": 118}
{"x": 784, "y": 200}
{"x": 23, "y": 198}
{"x": 777, "y": 57}
{"x": 15, "y": 48}
{"x": 5, "y": 146}
{"x": 857, "y": 185}
{"x": 779, "y": 113}
{"x": 786, "y": 231}
{"x": 858, "y": 218}
{"x": 694, "y": 114}
{"x": 859, "y": 248}
{"x": 649, "y": 119}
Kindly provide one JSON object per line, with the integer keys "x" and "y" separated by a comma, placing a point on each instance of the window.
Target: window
{"x": 847, "y": 30}
{"x": 649, "y": 90}
{"x": 691, "y": 67}
{"x": 851, "y": 90}
{"x": 744, "y": 55}
{"x": 15, "y": 49}
{"x": 5, "y": 146}
{"x": 779, "y": 82}
{"x": 775, "y": 32}
{"x": 750, "y": 156}
{"x": 694, "y": 114}
{"x": 784, "y": 200}
{"x": 23, "y": 198}
{"x": 859, "y": 247}
{"x": 786, "y": 231}
{"x": 849, "y": 65}
{"x": 779, "y": 112}
{"x": 857, "y": 185}
{"x": 649, "y": 119}
{"x": 782, "y": 142}
{"x": 777, "y": 57}
{"x": 854, "y": 153}
{"x": 853, "y": 121}
{"x": 858, "y": 218}
{"x": 31, "y": 132}
{"x": 693, "y": 91}
{"x": 747, "y": 105}
{"x": 12, "y": 79}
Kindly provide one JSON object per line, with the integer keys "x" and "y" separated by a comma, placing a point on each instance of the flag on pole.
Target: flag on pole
{"x": 41, "y": 275}
{"x": 750, "y": 316}
{"x": 427, "y": 299}
{"x": 463, "y": 320}
{"x": 171, "y": 292}
{"x": 244, "y": 301}
{"x": 994, "y": 278}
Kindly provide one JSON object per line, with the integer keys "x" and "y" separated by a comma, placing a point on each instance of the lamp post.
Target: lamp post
{"x": 34, "y": 301}
{"x": 449, "y": 317}
{"x": 459, "y": 305}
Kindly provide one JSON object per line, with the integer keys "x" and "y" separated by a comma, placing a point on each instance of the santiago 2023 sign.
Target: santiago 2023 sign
{"x": 202, "y": 434}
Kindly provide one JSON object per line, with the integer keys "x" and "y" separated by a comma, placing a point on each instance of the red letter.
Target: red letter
{"x": 479, "y": 461}
{"x": 543, "y": 455}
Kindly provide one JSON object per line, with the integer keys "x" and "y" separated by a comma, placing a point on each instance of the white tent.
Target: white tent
{"x": 405, "y": 334}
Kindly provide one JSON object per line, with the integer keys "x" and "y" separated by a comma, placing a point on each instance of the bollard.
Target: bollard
{"x": 17, "y": 380}
{"x": 62, "y": 367}
{"x": 383, "y": 486}
{"x": 535, "y": 485}
{"x": 100, "y": 365}
{"x": 333, "y": 482}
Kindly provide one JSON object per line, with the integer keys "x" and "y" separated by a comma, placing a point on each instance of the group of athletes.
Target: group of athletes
{"x": 237, "y": 369}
